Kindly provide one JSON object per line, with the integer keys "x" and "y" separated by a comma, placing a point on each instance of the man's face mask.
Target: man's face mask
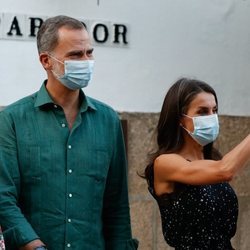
{"x": 77, "y": 73}
{"x": 206, "y": 128}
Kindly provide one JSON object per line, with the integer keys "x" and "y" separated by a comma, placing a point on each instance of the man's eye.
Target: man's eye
{"x": 89, "y": 53}
{"x": 75, "y": 56}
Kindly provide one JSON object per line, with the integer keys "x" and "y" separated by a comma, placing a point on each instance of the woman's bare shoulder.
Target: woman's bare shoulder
{"x": 168, "y": 159}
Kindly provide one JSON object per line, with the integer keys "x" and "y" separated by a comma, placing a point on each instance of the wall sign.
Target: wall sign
{"x": 25, "y": 27}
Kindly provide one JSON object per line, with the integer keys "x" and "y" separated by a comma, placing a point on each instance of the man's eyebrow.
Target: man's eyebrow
{"x": 79, "y": 52}
{"x": 75, "y": 52}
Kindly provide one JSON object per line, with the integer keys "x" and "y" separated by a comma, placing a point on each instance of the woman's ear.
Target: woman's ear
{"x": 181, "y": 121}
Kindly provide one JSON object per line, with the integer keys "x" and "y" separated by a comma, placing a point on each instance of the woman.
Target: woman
{"x": 188, "y": 177}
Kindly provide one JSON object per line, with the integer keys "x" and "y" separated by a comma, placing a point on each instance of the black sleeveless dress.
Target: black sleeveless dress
{"x": 198, "y": 217}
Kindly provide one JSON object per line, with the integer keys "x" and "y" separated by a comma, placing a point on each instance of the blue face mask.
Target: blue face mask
{"x": 206, "y": 129}
{"x": 77, "y": 73}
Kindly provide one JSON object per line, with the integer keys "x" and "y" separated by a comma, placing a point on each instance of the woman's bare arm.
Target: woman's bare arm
{"x": 174, "y": 168}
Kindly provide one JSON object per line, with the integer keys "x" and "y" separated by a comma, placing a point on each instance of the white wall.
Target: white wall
{"x": 208, "y": 39}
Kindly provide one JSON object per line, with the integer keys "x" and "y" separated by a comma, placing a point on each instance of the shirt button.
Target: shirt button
{"x": 63, "y": 125}
{"x": 70, "y": 195}
{"x": 69, "y": 220}
{"x": 70, "y": 171}
{"x": 68, "y": 245}
{"x": 69, "y": 147}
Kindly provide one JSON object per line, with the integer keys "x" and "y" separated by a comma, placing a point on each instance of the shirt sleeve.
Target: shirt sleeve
{"x": 16, "y": 229}
{"x": 116, "y": 215}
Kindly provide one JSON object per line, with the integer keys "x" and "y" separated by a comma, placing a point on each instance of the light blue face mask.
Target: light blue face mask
{"x": 206, "y": 128}
{"x": 77, "y": 73}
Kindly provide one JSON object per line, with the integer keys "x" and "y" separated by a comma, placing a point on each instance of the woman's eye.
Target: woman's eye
{"x": 202, "y": 113}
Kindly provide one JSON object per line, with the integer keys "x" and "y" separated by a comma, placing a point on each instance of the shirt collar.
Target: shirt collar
{"x": 44, "y": 100}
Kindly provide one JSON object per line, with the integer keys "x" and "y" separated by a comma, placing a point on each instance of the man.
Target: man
{"x": 62, "y": 163}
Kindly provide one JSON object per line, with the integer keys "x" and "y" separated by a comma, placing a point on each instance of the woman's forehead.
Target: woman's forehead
{"x": 203, "y": 99}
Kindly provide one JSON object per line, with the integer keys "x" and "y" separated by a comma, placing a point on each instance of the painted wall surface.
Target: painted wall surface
{"x": 206, "y": 39}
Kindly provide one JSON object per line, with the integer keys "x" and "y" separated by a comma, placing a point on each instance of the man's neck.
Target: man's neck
{"x": 66, "y": 98}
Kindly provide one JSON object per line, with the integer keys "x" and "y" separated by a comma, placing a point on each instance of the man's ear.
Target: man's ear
{"x": 45, "y": 61}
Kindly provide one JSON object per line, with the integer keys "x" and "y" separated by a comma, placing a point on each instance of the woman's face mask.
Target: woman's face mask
{"x": 77, "y": 73}
{"x": 206, "y": 128}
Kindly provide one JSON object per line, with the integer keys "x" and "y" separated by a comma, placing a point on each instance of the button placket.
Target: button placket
{"x": 70, "y": 194}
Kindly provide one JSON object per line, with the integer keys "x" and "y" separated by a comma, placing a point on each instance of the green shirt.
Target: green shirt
{"x": 66, "y": 187}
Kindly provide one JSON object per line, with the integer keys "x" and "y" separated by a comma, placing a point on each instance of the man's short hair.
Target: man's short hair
{"x": 47, "y": 36}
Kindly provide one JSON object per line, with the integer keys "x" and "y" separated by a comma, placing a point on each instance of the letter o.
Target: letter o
{"x": 100, "y": 28}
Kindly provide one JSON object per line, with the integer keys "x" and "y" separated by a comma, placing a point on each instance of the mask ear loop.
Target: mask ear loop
{"x": 188, "y": 116}
{"x": 55, "y": 58}
{"x": 183, "y": 126}
{"x": 185, "y": 129}
{"x": 57, "y": 76}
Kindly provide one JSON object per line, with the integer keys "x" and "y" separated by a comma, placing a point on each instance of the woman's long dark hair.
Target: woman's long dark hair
{"x": 169, "y": 132}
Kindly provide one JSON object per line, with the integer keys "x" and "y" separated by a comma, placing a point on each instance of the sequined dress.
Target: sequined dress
{"x": 198, "y": 217}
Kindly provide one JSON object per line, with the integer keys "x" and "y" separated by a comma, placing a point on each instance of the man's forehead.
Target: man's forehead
{"x": 80, "y": 37}
{"x": 65, "y": 32}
